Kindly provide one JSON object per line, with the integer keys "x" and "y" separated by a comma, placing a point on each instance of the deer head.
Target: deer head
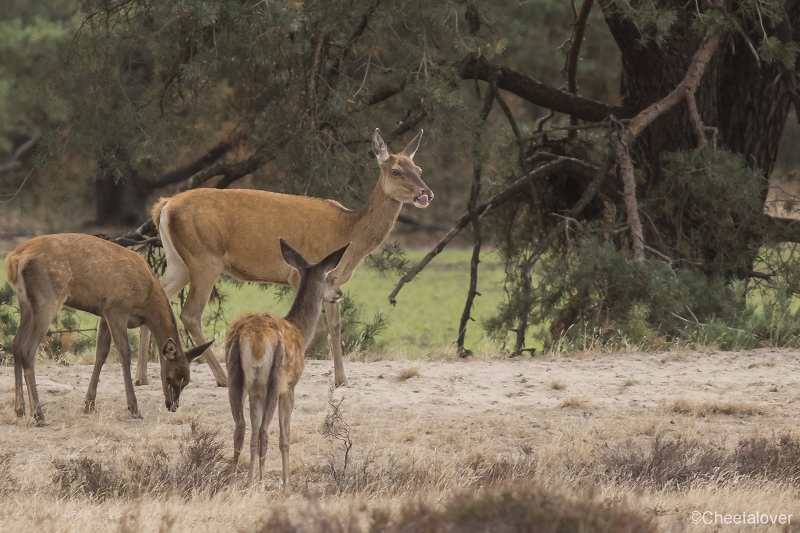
{"x": 175, "y": 370}
{"x": 400, "y": 177}
{"x": 315, "y": 277}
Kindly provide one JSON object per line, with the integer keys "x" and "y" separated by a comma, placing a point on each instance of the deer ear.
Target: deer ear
{"x": 170, "y": 350}
{"x": 379, "y": 147}
{"x": 411, "y": 149}
{"x": 197, "y": 351}
{"x": 293, "y": 257}
{"x": 332, "y": 261}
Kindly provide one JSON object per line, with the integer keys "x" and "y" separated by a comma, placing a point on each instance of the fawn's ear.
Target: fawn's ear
{"x": 332, "y": 261}
{"x": 379, "y": 147}
{"x": 197, "y": 351}
{"x": 411, "y": 149}
{"x": 170, "y": 350}
{"x": 293, "y": 257}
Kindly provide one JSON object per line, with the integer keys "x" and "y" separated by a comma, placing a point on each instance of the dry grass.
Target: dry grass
{"x": 450, "y": 453}
{"x": 558, "y": 385}
{"x": 686, "y": 406}
{"x": 574, "y": 402}
{"x": 408, "y": 373}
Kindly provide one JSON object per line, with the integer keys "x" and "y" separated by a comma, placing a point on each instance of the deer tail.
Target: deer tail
{"x": 156, "y": 212}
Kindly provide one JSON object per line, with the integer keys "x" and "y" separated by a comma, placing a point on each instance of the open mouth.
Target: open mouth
{"x": 422, "y": 201}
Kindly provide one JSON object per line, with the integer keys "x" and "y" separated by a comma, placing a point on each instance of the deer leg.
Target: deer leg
{"x": 257, "y": 401}
{"x": 271, "y": 403}
{"x": 285, "y": 407}
{"x": 333, "y": 314}
{"x": 30, "y": 334}
{"x": 118, "y": 325}
{"x": 192, "y": 315}
{"x": 24, "y": 331}
{"x": 103, "y": 346}
{"x": 144, "y": 355}
{"x": 236, "y": 397}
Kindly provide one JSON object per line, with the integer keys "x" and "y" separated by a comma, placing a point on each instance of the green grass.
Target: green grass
{"x": 427, "y": 313}
{"x": 428, "y": 309}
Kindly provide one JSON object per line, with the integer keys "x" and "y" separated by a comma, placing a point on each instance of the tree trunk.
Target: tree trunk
{"x": 748, "y": 103}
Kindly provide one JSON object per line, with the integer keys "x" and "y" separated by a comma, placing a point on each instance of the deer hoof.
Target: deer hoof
{"x": 42, "y": 424}
{"x": 222, "y": 384}
{"x": 142, "y": 381}
{"x": 88, "y": 407}
{"x": 341, "y": 384}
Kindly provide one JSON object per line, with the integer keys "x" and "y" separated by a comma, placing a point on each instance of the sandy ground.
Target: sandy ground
{"x": 495, "y": 406}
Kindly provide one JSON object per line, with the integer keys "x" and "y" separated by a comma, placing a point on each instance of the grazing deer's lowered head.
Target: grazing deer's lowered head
{"x": 265, "y": 357}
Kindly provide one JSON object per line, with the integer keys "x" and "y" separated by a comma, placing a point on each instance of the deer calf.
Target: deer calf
{"x": 265, "y": 356}
{"x": 105, "y": 279}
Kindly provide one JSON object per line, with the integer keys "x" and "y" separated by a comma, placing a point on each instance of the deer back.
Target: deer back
{"x": 84, "y": 272}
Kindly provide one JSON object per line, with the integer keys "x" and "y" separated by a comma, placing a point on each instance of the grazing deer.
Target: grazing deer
{"x": 209, "y": 231}
{"x": 265, "y": 356}
{"x": 105, "y": 279}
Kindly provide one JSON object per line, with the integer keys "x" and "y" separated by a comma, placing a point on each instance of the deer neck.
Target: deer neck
{"x": 160, "y": 320}
{"x": 372, "y": 225}
{"x": 305, "y": 312}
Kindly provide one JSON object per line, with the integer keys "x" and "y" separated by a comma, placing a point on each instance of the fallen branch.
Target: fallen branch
{"x": 567, "y": 165}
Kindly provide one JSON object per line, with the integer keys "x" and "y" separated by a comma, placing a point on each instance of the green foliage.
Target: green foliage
{"x": 709, "y": 202}
{"x": 358, "y": 335}
{"x": 391, "y": 260}
{"x": 598, "y": 297}
{"x": 650, "y": 17}
{"x": 9, "y": 320}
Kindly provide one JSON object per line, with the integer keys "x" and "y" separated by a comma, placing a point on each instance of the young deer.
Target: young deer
{"x": 266, "y": 355}
{"x": 206, "y": 232}
{"x": 96, "y": 276}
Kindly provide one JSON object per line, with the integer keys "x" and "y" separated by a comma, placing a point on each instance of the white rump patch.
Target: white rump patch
{"x": 176, "y": 275}
{"x": 256, "y": 372}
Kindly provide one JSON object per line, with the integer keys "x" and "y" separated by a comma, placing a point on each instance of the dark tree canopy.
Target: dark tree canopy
{"x": 646, "y": 145}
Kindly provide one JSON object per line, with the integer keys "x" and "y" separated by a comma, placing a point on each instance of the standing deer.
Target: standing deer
{"x": 209, "y": 231}
{"x": 105, "y": 279}
{"x": 265, "y": 356}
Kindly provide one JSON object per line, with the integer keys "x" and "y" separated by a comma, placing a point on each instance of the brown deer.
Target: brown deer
{"x": 265, "y": 356}
{"x": 209, "y": 231}
{"x": 105, "y": 279}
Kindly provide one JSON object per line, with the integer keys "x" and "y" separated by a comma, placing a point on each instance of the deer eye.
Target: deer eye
{"x": 395, "y": 172}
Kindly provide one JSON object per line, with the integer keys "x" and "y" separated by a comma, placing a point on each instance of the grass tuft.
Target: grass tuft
{"x": 408, "y": 373}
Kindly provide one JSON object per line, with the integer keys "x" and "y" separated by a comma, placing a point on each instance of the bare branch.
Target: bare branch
{"x": 231, "y": 171}
{"x": 15, "y": 162}
{"x": 538, "y": 93}
{"x": 573, "y": 55}
{"x": 684, "y": 90}
{"x": 193, "y": 168}
{"x": 629, "y": 195}
{"x": 567, "y": 165}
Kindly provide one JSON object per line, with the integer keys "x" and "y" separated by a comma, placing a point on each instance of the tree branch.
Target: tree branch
{"x": 15, "y": 162}
{"x": 537, "y": 92}
{"x": 193, "y": 168}
{"x": 684, "y": 90}
{"x": 230, "y": 171}
{"x": 573, "y": 55}
{"x": 567, "y": 165}
{"x": 621, "y": 142}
